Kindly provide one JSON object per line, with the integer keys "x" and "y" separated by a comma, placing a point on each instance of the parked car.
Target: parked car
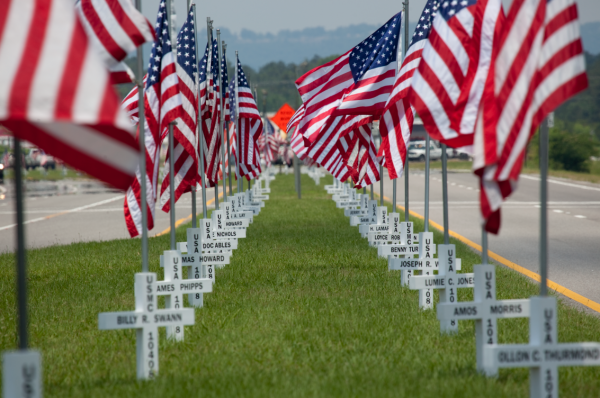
{"x": 38, "y": 158}
{"x": 2, "y": 167}
{"x": 416, "y": 151}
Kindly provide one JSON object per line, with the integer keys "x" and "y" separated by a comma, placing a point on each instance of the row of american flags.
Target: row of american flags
{"x": 475, "y": 73}
{"x": 59, "y": 64}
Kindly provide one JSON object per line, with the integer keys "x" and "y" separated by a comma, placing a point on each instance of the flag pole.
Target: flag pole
{"x": 427, "y": 155}
{"x": 406, "y": 33}
{"x": 172, "y": 184}
{"x": 227, "y": 133}
{"x": 484, "y": 246}
{"x": 544, "y": 149}
{"x": 222, "y": 121}
{"x": 189, "y": 4}
{"x": 237, "y": 127}
{"x": 171, "y": 144}
{"x": 209, "y": 35}
{"x": 264, "y": 124}
{"x": 445, "y": 194}
{"x": 21, "y": 254}
{"x": 201, "y": 134}
{"x": 142, "y": 142}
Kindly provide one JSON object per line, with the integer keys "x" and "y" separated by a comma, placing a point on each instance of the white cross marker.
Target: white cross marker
{"x": 407, "y": 247}
{"x": 174, "y": 287}
{"x": 447, "y": 281}
{"x": 544, "y": 354}
{"x": 22, "y": 374}
{"x": 485, "y": 310}
{"x": 425, "y": 263}
{"x": 146, "y": 319}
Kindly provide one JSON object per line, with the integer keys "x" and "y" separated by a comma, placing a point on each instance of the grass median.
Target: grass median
{"x": 304, "y": 309}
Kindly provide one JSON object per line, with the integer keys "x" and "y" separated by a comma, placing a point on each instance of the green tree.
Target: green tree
{"x": 571, "y": 147}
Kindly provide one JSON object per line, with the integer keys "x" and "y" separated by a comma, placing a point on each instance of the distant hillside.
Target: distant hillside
{"x": 258, "y": 49}
{"x": 590, "y": 34}
{"x": 585, "y": 108}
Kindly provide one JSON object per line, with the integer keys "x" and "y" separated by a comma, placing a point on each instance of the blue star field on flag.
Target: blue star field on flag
{"x": 232, "y": 99}
{"x": 186, "y": 47}
{"x": 225, "y": 75}
{"x": 424, "y": 25}
{"x": 450, "y": 8}
{"x": 214, "y": 62}
{"x": 269, "y": 129}
{"x": 379, "y": 49}
{"x": 161, "y": 46}
{"x": 242, "y": 81}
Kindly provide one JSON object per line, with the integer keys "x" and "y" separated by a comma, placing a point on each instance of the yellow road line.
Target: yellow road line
{"x": 552, "y": 285}
{"x": 188, "y": 218}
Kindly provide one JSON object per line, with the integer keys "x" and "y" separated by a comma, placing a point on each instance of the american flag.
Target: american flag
{"x": 115, "y": 28}
{"x": 396, "y": 123}
{"x": 273, "y": 142}
{"x": 323, "y": 88}
{"x": 449, "y": 82}
{"x": 293, "y": 122}
{"x": 538, "y": 63}
{"x": 76, "y": 120}
{"x": 373, "y": 63}
{"x": 210, "y": 110}
{"x": 130, "y": 103}
{"x": 185, "y": 139}
{"x": 360, "y": 156}
{"x": 162, "y": 105}
{"x": 326, "y": 152}
{"x": 250, "y": 124}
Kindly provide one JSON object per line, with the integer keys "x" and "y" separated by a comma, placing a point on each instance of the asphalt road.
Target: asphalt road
{"x": 72, "y": 211}
{"x": 573, "y": 220}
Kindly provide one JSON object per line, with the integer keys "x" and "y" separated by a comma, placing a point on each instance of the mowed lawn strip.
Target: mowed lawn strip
{"x": 304, "y": 309}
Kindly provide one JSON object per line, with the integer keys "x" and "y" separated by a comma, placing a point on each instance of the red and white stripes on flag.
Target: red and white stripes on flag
{"x": 55, "y": 91}
{"x": 115, "y": 28}
{"x": 293, "y": 122}
{"x": 321, "y": 90}
{"x": 249, "y": 156}
{"x": 396, "y": 122}
{"x": 211, "y": 114}
{"x": 448, "y": 85}
{"x": 538, "y": 63}
{"x": 162, "y": 105}
{"x": 361, "y": 158}
{"x": 130, "y": 104}
{"x": 248, "y": 171}
{"x": 396, "y": 126}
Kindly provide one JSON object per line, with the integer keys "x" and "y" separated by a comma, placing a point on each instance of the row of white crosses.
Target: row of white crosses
{"x": 207, "y": 247}
{"x": 543, "y": 355}
{"x": 405, "y": 251}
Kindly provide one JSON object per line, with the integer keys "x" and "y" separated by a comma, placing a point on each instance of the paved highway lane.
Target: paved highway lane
{"x": 574, "y": 223}
{"x": 76, "y": 212}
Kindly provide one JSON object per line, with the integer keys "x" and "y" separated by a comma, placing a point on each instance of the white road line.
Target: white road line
{"x": 66, "y": 212}
{"x": 580, "y": 216}
{"x": 558, "y": 211}
{"x": 567, "y": 184}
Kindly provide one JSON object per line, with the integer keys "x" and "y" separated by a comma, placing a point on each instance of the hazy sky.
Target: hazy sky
{"x": 275, "y": 15}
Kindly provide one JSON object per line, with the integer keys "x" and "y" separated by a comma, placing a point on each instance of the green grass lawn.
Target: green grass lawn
{"x": 304, "y": 309}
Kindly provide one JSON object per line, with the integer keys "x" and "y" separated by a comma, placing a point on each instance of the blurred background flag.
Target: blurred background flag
{"x": 56, "y": 93}
{"x": 115, "y": 28}
{"x": 162, "y": 105}
{"x": 184, "y": 132}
